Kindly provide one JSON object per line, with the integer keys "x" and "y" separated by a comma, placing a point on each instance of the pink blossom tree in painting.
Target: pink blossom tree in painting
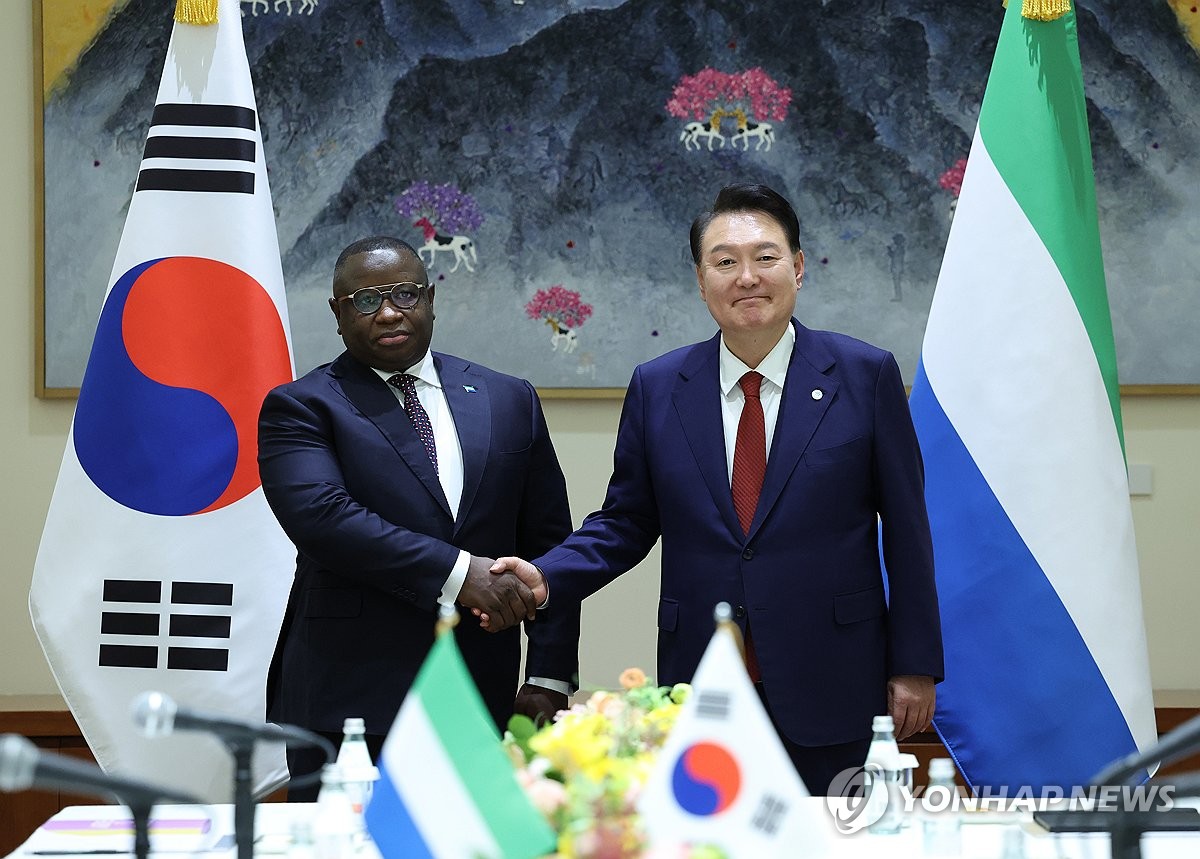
{"x": 745, "y": 103}
{"x": 952, "y": 181}
{"x": 563, "y": 311}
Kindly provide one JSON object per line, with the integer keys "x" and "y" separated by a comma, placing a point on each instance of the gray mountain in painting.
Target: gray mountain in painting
{"x": 552, "y": 116}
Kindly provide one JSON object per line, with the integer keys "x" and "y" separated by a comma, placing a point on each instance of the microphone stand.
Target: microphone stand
{"x": 139, "y": 810}
{"x": 242, "y": 750}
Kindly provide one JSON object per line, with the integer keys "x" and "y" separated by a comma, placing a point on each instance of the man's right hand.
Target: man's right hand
{"x": 528, "y": 574}
{"x": 503, "y": 598}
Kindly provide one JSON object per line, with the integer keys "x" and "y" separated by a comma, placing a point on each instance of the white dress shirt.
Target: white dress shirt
{"x": 774, "y": 369}
{"x": 449, "y": 454}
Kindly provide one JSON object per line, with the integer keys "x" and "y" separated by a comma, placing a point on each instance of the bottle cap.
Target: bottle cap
{"x": 941, "y": 768}
{"x": 883, "y": 723}
{"x": 354, "y": 725}
{"x": 908, "y": 761}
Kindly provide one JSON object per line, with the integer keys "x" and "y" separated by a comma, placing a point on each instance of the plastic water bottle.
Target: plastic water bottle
{"x": 335, "y": 827}
{"x": 941, "y": 820}
{"x": 357, "y": 770}
{"x": 908, "y": 766}
{"x": 885, "y": 800}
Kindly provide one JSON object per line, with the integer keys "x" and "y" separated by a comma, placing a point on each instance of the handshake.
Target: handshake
{"x": 503, "y": 592}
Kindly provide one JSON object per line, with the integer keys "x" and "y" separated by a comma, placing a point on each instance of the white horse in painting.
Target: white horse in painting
{"x": 561, "y": 334}
{"x": 761, "y": 131}
{"x": 693, "y": 131}
{"x": 306, "y": 6}
{"x": 461, "y": 247}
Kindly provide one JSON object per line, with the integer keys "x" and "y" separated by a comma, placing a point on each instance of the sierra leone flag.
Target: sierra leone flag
{"x": 446, "y": 788}
{"x": 1018, "y": 412}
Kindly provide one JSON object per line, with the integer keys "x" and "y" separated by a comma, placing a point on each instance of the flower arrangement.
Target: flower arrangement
{"x": 585, "y": 770}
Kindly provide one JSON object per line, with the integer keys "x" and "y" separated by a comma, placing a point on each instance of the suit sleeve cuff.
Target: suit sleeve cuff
{"x": 454, "y": 583}
{"x": 560, "y": 686}
{"x": 546, "y": 601}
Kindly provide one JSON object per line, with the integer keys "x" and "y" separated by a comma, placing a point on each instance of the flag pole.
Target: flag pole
{"x": 723, "y": 619}
{"x": 447, "y": 619}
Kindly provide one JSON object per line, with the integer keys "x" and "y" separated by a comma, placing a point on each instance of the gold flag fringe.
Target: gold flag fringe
{"x": 196, "y": 11}
{"x": 1045, "y": 10}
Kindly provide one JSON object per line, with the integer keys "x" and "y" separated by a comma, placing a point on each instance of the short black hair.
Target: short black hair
{"x": 374, "y": 243}
{"x": 747, "y": 197}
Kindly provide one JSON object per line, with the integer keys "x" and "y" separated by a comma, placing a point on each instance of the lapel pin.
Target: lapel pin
{"x": 817, "y": 394}
{"x": 470, "y": 389}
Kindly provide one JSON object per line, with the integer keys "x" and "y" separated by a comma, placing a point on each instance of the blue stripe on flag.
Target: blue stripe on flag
{"x": 392, "y": 829}
{"x": 1023, "y": 702}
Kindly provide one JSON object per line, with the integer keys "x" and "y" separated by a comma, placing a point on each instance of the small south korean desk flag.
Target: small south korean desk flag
{"x": 723, "y": 777}
{"x": 161, "y": 566}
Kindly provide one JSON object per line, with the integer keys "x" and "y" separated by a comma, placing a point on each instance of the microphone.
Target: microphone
{"x": 157, "y": 714}
{"x": 24, "y": 766}
{"x": 1170, "y": 747}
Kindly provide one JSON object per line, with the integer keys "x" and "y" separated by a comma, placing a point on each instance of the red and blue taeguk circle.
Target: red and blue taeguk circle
{"x": 706, "y": 779}
{"x": 185, "y": 351}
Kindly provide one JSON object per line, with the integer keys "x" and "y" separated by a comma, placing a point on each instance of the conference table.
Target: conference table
{"x": 207, "y": 831}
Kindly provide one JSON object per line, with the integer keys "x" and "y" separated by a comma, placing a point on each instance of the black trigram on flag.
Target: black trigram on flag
{"x": 769, "y": 814}
{"x": 171, "y": 159}
{"x": 712, "y": 705}
{"x": 134, "y": 608}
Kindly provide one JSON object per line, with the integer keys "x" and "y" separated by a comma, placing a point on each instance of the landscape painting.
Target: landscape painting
{"x": 547, "y": 157}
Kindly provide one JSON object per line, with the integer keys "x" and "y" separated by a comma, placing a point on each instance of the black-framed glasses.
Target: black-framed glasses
{"x": 368, "y": 300}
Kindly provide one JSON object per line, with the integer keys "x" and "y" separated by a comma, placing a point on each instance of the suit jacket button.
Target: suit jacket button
{"x": 740, "y": 611}
{"x": 747, "y": 554}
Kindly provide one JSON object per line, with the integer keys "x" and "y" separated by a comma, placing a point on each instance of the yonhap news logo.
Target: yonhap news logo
{"x": 854, "y": 805}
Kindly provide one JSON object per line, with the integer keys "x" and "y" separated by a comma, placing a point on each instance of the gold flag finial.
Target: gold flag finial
{"x": 196, "y": 11}
{"x": 723, "y": 618}
{"x": 1044, "y": 10}
{"x": 447, "y": 619}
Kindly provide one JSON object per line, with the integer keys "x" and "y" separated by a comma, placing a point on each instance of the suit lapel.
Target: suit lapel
{"x": 799, "y": 414}
{"x": 697, "y": 401}
{"x": 370, "y": 395}
{"x": 471, "y": 405}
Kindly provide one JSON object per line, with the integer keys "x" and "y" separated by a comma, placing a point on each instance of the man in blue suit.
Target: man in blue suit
{"x": 400, "y": 473}
{"x": 766, "y": 459}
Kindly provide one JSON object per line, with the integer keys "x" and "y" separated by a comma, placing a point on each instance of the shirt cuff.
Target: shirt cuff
{"x": 561, "y": 686}
{"x": 454, "y": 583}
{"x": 546, "y": 601}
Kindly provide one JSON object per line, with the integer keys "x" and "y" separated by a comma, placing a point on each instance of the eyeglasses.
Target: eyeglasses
{"x": 369, "y": 299}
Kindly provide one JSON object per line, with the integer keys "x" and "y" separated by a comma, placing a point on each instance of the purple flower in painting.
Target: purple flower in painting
{"x": 444, "y": 208}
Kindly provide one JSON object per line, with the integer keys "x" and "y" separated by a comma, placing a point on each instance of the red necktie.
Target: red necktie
{"x": 749, "y": 466}
{"x": 749, "y": 452}
{"x": 416, "y": 413}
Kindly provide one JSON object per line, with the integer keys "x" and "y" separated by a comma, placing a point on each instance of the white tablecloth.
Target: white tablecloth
{"x": 207, "y": 831}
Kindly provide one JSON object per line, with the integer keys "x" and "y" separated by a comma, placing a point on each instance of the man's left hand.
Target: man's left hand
{"x": 911, "y": 699}
{"x": 539, "y": 703}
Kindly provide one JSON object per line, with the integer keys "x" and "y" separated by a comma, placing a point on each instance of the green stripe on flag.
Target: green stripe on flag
{"x": 1034, "y": 124}
{"x": 469, "y": 738}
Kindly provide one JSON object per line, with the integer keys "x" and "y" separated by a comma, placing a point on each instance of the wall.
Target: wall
{"x": 1163, "y": 432}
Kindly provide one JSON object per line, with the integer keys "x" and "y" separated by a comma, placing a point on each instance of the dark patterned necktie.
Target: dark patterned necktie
{"x": 749, "y": 466}
{"x": 416, "y": 413}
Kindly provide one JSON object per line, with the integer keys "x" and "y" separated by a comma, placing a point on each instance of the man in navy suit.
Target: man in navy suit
{"x": 793, "y": 543}
{"x": 400, "y": 473}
